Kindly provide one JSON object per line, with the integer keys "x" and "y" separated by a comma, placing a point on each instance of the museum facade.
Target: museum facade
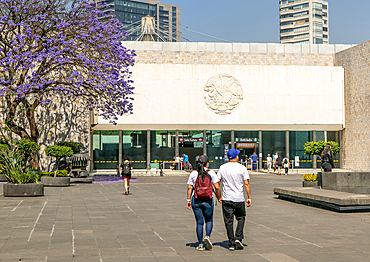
{"x": 196, "y": 98}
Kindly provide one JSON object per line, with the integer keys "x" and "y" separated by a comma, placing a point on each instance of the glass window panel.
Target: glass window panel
{"x": 218, "y": 142}
{"x": 105, "y": 149}
{"x": 297, "y": 139}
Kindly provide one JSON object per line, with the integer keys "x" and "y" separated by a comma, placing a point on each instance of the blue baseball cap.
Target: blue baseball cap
{"x": 232, "y": 153}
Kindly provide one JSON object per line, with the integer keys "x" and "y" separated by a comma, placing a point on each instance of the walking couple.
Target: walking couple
{"x": 234, "y": 177}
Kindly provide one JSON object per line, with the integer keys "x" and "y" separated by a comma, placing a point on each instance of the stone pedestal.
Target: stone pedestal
{"x": 351, "y": 182}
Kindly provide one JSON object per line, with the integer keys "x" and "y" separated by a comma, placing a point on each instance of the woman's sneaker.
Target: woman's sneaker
{"x": 208, "y": 242}
{"x": 200, "y": 248}
{"x": 239, "y": 244}
{"x": 231, "y": 248}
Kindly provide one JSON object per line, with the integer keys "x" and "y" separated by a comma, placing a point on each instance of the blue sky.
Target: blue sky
{"x": 257, "y": 21}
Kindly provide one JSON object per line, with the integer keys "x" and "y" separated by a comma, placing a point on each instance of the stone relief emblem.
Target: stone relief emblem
{"x": 223, "y": 94}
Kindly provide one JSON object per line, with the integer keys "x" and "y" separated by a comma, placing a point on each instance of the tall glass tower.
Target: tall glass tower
{"x": 130, "y": 13}
{"x": 304, "y": 22}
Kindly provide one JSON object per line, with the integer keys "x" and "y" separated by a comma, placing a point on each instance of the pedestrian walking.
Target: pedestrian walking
{"x": 177, "y": 162}
{"x": 126, "y": 168}
{"x": 200, "y": 199}
{"x": 269, "y": 162}
{"x": 279, "y": 163}
{"x": 186, "y": 162}
{"x": 275, "y": 162}
{"x": 286, "y": 165}
{"x": 234, "y": 178}
{"x": 327, "y": 158}
{"x": 254, "y": 161}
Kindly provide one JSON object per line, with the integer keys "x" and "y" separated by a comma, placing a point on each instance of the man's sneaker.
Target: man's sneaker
{"x": 239, "y": 244}
{"x": 200, "y": 248}
{"x": 208, "y": 242}
{"x": 231, "y": 248}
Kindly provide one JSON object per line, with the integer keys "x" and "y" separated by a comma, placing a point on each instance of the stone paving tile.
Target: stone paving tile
{"x": 97, "y": 223}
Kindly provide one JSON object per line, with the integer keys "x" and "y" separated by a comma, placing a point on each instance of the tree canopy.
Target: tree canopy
{"x": 61, "y": 47}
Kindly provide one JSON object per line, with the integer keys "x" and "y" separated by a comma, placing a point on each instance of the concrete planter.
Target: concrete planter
{"x": 3, "y": 178}
{"x": 309, "y": 183}
{"x": 22, "y": 190}
{"x": 56, "y": 181}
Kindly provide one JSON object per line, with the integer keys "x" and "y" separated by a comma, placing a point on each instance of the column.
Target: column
{"x": 260, "y": 156}
{"x": 204, "y": 142}
{"x": 177, "y": 152}
{"x": 148, "y": 149}
{"x": 120, "y": 149}
{"x": 232, "y": 139}
{"x": 91, "y": 150}
{"x": 287, "y": 149}
{"x": 314, "y": 156}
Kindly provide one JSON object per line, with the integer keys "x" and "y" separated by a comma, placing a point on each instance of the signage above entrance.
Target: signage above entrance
{"x": 190, "y": 139}
{"x": 244, "y": 139}
{"x": 246, "y": 145}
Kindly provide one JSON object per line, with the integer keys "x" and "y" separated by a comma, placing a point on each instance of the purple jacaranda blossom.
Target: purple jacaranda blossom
{"x": 62, "y": 47}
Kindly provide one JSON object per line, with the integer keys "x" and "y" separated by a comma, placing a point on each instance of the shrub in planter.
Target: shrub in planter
{"x": 60, "y": 173}
{"x": 309, "y": 180}
{"x": 310, "y": 177}
{"x": 58, "y": 152}
{"x": 315, "y": 148}
{"x": 15, "y": 166}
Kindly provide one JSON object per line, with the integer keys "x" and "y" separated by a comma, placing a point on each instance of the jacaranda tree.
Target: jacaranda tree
{"x": 68, "y": 48}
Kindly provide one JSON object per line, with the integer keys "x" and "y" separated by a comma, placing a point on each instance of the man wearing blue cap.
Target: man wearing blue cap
{"x": 234, "y": 177}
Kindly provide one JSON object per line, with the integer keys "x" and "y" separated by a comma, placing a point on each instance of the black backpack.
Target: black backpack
{"x": 126, "y": 168}
{"x": 285, "y": 161}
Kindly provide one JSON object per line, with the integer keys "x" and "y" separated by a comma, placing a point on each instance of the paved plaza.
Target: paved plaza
{"x": 95, "y": 222}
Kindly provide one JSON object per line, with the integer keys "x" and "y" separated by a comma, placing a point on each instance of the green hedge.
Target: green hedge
{"x": 60, "y": 173}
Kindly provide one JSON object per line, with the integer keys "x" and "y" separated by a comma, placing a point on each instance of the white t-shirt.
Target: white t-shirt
{"x": 275, "y": 157}
{"x": 193, "y": 176}
{"x": 233, "y": 176}
{"x": 269, "y": 160}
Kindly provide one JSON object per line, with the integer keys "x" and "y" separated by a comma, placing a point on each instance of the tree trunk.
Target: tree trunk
{"x": 21, "y": 131}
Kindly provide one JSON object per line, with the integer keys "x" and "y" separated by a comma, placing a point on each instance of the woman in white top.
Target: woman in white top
{"x": 203, "y": 209}
{"x": 269, "y": 162}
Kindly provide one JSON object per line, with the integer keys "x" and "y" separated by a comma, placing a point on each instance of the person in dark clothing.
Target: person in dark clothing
{"x": 126, "y": 168}
{"x": 254, "y": 161}
{"x": 327, "y": 158}
{"x": 279, "y": 163}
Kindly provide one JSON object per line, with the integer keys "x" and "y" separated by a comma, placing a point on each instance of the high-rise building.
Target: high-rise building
{"x": 304, "y": 21}
{"x": 130, "y": 13}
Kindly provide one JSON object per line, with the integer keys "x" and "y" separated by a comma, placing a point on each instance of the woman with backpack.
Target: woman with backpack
{"x": 279, "y": 163}
{"x": 286, "y": 164}
{"x": 126, "y": 168}
{"x": 200, "y": 199}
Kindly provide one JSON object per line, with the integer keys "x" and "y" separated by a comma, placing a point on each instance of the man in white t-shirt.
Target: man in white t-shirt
{"x": 234, "y": 178}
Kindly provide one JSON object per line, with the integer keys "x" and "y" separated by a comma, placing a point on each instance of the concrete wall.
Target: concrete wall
{"x": 169, "y": 97}
{"x": 356, "y": 135}
{"x": 283, "y": 87}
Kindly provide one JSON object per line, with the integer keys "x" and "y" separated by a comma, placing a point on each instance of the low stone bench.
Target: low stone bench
{"x": 339, "y": 201}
